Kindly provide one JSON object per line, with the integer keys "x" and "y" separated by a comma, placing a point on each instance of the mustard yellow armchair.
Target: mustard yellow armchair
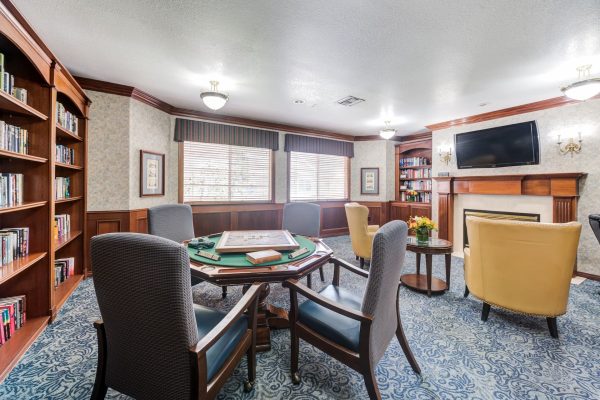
{"x": 361, "y": 233}
{"x": 521, "y": 266}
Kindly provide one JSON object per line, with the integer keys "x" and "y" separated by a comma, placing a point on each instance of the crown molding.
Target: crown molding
{"x": 130, "y": 91}
{"x": 506, "y": 112}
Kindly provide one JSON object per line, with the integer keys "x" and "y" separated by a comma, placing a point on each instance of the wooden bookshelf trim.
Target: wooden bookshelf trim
{"x": 19, "y": 265}
{"x": 68, "y": 199}
{"x": 63, "y": 291}
{"x": 63, "y": 241}
{"x": 21, "y": 156}
{"x": 11, "y": 104}
{"x": 24, "y": 206}
{"x": 65, "y": 134}
{"x": 67, "y": 166}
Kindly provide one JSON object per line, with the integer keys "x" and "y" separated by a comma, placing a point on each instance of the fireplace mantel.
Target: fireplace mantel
{"x": 562, "y": 187}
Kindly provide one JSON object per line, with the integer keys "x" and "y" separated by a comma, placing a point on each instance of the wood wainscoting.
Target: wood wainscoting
{"x": 227, "y": 217}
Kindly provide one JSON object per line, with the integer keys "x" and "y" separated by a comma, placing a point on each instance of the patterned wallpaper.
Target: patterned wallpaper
{"x": 108, "y": 152}
{"x": 567, "y": 121}
{"x": 373, "y": 154}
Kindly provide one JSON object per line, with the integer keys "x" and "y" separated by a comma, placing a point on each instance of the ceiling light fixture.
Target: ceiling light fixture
{"x": 214, "y": 99}
{"x": 299, "y": 101}
{"x": 585, "y": 88}
{"x": 388, "y": 132}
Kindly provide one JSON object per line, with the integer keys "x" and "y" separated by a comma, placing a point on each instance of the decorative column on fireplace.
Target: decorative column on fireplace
{"x": 562, "y": 187}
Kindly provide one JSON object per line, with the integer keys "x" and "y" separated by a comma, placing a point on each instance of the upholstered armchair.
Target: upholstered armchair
{"x": 303, "y": 219}
{"x": 361, "y": 233}
{"x": 153, "y": 341}
{"x": 355, "y": 330}
{"x": 174, "y": 222}
{"x": 524, "y": 267}
{"x": 595, "y": 224}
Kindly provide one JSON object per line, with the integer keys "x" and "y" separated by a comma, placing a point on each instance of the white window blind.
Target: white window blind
{"x": 225, "y": 173}
{"x": 318, "y": 177}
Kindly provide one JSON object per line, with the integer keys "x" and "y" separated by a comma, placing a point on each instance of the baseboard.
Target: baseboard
{"x": 588, "y": 276}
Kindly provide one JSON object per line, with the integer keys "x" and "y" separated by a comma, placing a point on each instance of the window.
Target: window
{"x": 318, "y": 177}
{"x": 225, "y": 173}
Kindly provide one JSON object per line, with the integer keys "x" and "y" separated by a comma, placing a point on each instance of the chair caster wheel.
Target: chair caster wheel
{"x": 296, "y": 378}
{"x": 248, "y": 386}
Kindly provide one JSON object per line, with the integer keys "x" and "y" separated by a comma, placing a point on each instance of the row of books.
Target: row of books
{"x": 14, "y": 243}
{"x": 416, "y": 198}
{"x": 416, "y": 185}
{"x": 11, "y": 190}
{"x": 64, "y": 268}
{"x": 415, "y": 173}
{"x": 414, "y": 162}
{"x": 62, "y": 225}
{"x": 12, "y": 316}
{"x": 7, "y": 83}
{"x": 61, "y": 187}
{"x": 13, "y": 138}
{"x": 65, "y": 155}
{"x": 66, "y": 119}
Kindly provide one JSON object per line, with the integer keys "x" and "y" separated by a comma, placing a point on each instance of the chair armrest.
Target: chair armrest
{"x": 346, "y": 265}
{"x": 247, "y": 302}
{"x": 296, "y": 287}
{"x": 372, "y": 228}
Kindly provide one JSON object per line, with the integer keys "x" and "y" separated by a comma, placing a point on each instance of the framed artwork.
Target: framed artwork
{"x": 152, "y": 173}
{"x": 369, "y": 181}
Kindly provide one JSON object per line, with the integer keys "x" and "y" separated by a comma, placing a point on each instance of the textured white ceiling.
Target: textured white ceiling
{"x": 415, "y": 62}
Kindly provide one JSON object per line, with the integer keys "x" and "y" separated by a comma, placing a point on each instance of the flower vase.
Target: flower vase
{"x": 422, "y": 236}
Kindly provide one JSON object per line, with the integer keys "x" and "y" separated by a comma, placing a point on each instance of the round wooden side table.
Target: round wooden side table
{"x": 428, "y": 283}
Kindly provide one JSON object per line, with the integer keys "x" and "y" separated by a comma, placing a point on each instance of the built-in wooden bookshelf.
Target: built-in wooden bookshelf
{"x": 413, "y": 173}
{"x": 47, "y": 83}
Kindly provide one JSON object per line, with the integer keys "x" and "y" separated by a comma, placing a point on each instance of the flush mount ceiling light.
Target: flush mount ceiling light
{"x": 388, "y": 132}
{"x": 214, "y": 99}
{"x": 585, "y": 88}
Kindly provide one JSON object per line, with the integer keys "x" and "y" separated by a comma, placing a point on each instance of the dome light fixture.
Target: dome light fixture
{"x": 585, "y": 88}
{"x": 214, "y": 99}
{"x": 388, "y": 132}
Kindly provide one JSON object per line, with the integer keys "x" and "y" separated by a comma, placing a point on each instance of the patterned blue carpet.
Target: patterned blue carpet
{"x": 509, "y": 357}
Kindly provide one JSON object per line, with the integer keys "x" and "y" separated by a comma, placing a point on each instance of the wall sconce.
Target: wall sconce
{"x": 445, "y": 155}
{"x": 570, "y": 147}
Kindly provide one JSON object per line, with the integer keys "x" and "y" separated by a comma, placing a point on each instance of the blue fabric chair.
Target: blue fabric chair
{"x": 303, "y": 219}
{"x": 353, "y": 329}
{"x": 153, "y": 341}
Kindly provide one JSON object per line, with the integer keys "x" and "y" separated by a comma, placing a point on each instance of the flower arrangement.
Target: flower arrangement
{"x": 412, "y": 195}
{"x": 422, "y": 226}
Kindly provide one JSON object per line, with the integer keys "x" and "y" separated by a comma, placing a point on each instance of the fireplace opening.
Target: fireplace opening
{"x": 512, "y": 216}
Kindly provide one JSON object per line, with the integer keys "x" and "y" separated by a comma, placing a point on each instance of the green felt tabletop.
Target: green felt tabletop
{"x": 239, "y": 259}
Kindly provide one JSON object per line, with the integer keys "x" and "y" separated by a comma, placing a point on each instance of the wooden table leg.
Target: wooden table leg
{"x": 428, "y": 262}
{"x": 448, "y": 263}
{"x": 418, "y": 255}
{"x": 269, "y": 317}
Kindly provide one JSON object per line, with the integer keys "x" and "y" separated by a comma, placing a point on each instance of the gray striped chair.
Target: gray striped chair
{"x": 153, "y": 341}
{"x": 355, "y": 330}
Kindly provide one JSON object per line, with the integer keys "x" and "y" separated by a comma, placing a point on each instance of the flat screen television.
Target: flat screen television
{"x": 504, "y": 146}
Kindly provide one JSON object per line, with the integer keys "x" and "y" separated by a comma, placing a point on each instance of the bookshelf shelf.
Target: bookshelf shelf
{"x": 62, "y": 242}
{"x": 13, "y": 349}
{"x": 9, "y": 103}
{"x": 68, "y": 166}
{"x": 65, "y": 134}
{"x": 14, "y": 268}
{"x": 19, "y": 156}
{"x": 24, "y": 206}
{"x": 415, "y": 190}
{"x": 69, "y": 199}
{"x": 417, "y": 167}
{"x": 64, "y": 290}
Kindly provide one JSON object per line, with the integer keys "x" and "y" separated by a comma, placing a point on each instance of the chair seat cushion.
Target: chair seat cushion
{"x": 328, "y": 323}
{"x": 206, "y": 319}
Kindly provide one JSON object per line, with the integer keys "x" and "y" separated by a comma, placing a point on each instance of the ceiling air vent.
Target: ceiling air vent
{"x": 350, "y": 101}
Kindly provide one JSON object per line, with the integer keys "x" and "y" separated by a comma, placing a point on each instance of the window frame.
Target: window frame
{"x": 348, "y": 182}
{"x": 181, "y": 163}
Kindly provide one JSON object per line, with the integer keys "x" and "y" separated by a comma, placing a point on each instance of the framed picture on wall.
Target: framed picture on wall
{"x": 369, "y": 181}
{"x": 152, "y": 173}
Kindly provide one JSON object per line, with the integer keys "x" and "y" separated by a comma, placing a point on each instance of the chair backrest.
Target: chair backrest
{"x": 358, "y": 222}
{"x": 595, "y": 224}
{"x": 522, "y": 266}
{"x": 171, "y": 221}
{"x": 389, "y": 247}
{"x": 142, "y": 284}
{"x": 302, "y": 218}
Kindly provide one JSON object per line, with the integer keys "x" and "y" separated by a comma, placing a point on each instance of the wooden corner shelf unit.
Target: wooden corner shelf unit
{"x": 414, "y": 176}
{"x": 47, "y": 82}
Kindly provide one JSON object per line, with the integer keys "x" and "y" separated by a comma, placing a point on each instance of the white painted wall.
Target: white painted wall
{"x": 566, "y": 120}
